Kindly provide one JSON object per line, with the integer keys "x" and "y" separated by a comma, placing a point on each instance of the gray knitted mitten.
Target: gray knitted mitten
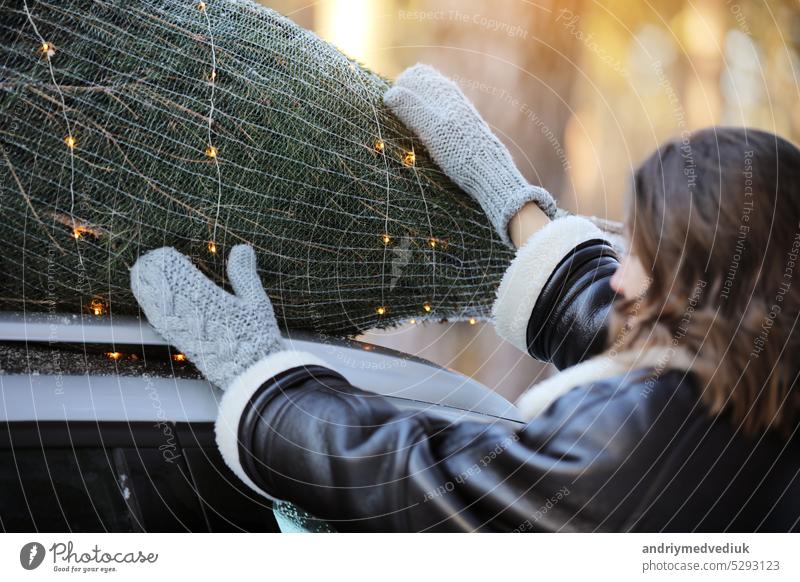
{"x": 222, "y": 334}
{"x": 462, "y": 144}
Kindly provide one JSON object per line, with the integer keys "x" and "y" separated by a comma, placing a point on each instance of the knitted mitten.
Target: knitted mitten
{"x": 222, "y": 334}
{"x": 462, "y": 144}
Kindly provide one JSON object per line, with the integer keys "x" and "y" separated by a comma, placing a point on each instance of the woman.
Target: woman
{"x": 677, "y": 407}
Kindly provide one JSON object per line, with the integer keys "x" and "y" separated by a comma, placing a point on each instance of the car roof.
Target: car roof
{"x": 48, "y": 394}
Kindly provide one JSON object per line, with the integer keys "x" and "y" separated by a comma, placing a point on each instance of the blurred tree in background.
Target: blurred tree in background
{"x": 580, "y": 91}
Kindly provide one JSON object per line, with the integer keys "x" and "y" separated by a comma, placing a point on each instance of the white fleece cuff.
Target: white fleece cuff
{"x": 530, "y": 270}
{"x": 238, "y": 394}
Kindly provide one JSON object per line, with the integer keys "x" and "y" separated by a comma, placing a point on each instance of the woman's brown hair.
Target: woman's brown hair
{"x": 715, "y": 218}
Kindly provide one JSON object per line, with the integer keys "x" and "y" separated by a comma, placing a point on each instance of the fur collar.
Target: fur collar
{"x": 541, "y": 395}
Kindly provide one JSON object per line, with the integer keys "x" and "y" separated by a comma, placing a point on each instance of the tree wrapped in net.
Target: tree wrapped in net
{"x": 130, "y": 125}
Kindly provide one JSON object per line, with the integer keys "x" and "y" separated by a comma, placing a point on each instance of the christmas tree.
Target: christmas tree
{"x": 130, "y": 125}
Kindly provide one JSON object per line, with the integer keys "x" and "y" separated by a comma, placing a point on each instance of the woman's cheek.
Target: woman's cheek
{"x": 630, "y": 279}
{"x": 639, "y": 278}
{"x": 616, "y": 281}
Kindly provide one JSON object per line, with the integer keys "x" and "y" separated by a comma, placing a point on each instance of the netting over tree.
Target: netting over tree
{"x": 129, "y": 125}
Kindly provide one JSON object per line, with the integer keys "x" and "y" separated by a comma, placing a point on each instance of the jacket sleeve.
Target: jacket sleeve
{"x": 352, "y": 458}
{"x": 555, "y": 298}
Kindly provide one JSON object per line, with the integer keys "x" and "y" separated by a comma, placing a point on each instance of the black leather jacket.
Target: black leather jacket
{"x": 633, "y": 452}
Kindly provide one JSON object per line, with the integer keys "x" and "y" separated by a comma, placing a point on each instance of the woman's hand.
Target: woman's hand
{"x": 465, "y": 148}
{"x": 222, "y": 334}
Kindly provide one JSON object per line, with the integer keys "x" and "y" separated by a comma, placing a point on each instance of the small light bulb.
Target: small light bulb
{"x": 97, "y": 307}
{"x": 409, "y": 158}
{"x": 47, "y": 49}
{"x": 70, "y": 141}
{"x": 81, "y": 231}
{"x": 211, "y": 151}
{"x": 212, "y": 247}
{"x": 386, "y": 238}
{"x": 379, "y": 146}
{"x": 381, "y": 310}
{"x": 114, "y": 355}
{"x": 472, "y": 321}
{"x": 427, "y": 307}
{"x": 179, "y": 357}
{"x": 412, "y": 321}
{"x": 433, "y": 242}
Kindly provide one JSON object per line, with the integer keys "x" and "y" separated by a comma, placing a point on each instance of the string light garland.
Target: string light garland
{"x": 98, "y": 307}
{"x": 386, "y": 274}
{"x": 211, "y": 150}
